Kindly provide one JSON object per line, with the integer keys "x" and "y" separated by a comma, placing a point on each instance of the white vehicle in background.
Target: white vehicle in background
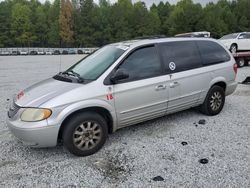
{"x": 48, "y": 53}
{"x": 23, "y": 52}
{"x": 236, "y": 41}
{"x": 40, "y": 52}
{"x": 5, "y": 53}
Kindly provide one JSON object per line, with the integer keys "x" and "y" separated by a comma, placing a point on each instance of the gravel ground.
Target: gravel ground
{"x": 165, "y": 152}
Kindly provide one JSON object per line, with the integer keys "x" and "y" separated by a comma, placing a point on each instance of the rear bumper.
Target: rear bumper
{"x": 42, "y": 136}
{"x": 231, "y": 87}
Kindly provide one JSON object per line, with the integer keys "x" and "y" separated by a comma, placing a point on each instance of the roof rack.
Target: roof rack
{"x": 151, "y": 37}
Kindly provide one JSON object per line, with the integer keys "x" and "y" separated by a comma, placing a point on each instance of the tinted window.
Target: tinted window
{"x": 180, "y": 56}
{"x": 243, "y": 36}
{"x": 248, "y": 36}
{"x": 212, "y": 52}
{"x": 143, "y": 63}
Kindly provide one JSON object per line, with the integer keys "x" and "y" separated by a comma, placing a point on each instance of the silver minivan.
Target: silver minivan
{"x": 120, "y": 85}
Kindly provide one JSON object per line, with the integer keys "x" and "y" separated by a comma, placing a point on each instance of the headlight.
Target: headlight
{"x": 35, "y": 114}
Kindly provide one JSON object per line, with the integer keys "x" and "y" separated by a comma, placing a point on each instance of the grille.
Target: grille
{"x": 13, "y": 110}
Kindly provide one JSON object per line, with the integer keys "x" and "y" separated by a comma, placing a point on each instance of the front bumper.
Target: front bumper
{"x": 34, "y": 134}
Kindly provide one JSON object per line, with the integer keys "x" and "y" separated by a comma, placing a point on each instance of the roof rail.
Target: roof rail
{"x": 151, "y": 37}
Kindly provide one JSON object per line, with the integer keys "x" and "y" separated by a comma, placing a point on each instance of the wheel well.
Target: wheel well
{"x": 102, "y": 111}
{"x": 235, "y": 45}
{"x": 221, "y": 84}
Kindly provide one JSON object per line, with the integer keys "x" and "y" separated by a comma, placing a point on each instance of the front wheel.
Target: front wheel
{"x": 214, "y": 101}
{"x": 85, "y": 133}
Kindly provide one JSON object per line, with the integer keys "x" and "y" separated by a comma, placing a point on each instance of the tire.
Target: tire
{"x": 85, "y": 133}
{"x": 214, "y": 101}
{"x": 233, "y": 48}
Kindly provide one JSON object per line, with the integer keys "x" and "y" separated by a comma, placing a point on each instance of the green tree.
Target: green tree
{"x": 5, "y": 27}
{"x": 53, "y": 17}
{"x": 184, "y": 17}
{"x": 21, "y": 24}
{"x": 41, "y": 27}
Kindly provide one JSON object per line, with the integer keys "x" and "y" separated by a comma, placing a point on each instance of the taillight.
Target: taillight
{"x": 235, "y": 68}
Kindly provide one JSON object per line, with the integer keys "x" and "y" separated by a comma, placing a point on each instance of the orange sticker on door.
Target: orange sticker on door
{"x": 109, "y": 97}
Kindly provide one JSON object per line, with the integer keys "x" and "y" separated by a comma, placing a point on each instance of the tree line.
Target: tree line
{"x": 83, "y": 23}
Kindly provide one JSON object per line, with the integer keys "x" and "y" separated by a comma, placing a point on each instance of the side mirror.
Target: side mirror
{"x": 241, "y": 37}
{"x": 120, "y": 74}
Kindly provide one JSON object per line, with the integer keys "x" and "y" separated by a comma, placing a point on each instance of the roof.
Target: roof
{"x": 134, "y": 43}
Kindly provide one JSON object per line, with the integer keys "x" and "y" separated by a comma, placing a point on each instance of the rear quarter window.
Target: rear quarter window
{"x": 183, "y": 54}
{"x": 212, "y": 53}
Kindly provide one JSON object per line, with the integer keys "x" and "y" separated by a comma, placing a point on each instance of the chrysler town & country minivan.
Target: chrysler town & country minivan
{"x": 120, "y": 85}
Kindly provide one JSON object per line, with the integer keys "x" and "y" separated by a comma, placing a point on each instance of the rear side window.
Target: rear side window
{"x": 212, "y": 52}
{"x": 180, "y": 56}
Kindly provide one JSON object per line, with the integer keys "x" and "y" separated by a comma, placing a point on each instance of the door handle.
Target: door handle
{"x": 174, "y": 84}
{"x": 160, "y": 87}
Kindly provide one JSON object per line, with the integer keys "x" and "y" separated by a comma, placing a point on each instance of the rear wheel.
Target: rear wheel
{"x": 85, "y": 133}
{"x": 214, "y": 101}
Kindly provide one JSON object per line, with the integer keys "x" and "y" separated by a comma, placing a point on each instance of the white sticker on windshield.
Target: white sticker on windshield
{"x": 123, "y": 47}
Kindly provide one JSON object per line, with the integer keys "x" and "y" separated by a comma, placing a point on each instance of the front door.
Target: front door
{"x": 143, "y": 95}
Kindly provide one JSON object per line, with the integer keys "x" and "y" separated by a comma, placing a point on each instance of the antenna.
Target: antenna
{"x": 60, "y": 65}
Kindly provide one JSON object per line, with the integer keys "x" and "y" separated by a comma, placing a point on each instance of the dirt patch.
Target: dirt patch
{"x": 115, "y": 168}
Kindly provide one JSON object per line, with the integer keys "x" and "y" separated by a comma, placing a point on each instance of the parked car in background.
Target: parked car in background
{"x": 48, "y": 53}
{"x": 121, "y": 85}
{"x": 56, "y": 52}
{"x": 79, "y": 51}
{"x": 87, "y": 51}
{"x": 24, "y": 52}
{"x": 33, "y": 52}
{"x": 40, "y": 52}
{"x": 5, "y": 53}
{"x": 15, "y": 52}
{"x": 72, "y": 51}
{"x": 205, "y": 34}
{"x": 65, "y": 52}
{"x": 236, "y": 42}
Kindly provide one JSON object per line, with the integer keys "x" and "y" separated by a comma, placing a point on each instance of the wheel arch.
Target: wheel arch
{"x": 222, "y": 84}
{"x": 104, "y": 112}
{"x": 219, "y": 81}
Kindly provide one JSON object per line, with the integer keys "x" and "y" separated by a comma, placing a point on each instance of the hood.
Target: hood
{"x": 43, "y": 91}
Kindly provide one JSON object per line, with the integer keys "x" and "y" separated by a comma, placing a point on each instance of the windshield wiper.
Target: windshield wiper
{"x": 72, "y": 73}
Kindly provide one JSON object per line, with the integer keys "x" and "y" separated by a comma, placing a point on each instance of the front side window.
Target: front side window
{"x": 142, "y": 63}
{"x": 180, "y": 56}
{"x": 91, "y": 67}
{"x": 212, "y": 53}
{"x": 243, "y": 36}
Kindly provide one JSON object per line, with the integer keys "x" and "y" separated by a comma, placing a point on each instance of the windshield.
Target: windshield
{"x": 91, "y": 67}
{"x": 231, "y": 36}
